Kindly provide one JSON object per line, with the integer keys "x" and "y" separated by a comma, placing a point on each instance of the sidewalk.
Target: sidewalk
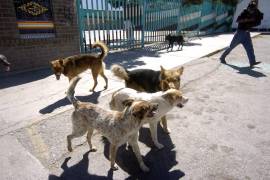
{"x": 222, "y": 133}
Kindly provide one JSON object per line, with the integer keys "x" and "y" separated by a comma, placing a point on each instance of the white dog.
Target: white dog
{"x": 165, "y": 99}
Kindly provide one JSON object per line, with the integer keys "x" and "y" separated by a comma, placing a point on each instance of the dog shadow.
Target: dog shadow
{"x": 77, "y": 171}
{"x": 93, "y": 98}
{"x": 248, "y": 71}
{"x": 159, "y": 161}
{"x": 10, "y": 80}
{"x": 192, "y": 44}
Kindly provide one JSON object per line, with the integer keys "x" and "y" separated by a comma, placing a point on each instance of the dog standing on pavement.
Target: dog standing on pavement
{"x": 74, "y": 65}
{"x": 150, "y": 81}
{"x": 166, "y": 101}
{"x": 118, "y": 127}
{"x": 172, "y": 38}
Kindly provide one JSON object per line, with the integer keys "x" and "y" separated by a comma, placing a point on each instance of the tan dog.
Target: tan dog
{"x": 147, "y": 80}
{"x": 166, "y": 101}
{"x": 118, "y": 127}
{"x": 74, "y": 65}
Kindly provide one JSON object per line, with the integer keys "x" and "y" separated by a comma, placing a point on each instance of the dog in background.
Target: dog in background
{"x": 166, "y": 101}
{"x": 4, "y": 61}
{"x": 118, "y": 127}
{"x": 74, "y": 65}
{"x": 172, "y": 38}
{"x": 150, "y": 81}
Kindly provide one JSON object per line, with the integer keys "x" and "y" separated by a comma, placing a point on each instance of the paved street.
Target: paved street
{"x": 221, "y": 133}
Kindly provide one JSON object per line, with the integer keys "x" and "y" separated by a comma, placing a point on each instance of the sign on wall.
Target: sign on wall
{"x": 34, "y": 18}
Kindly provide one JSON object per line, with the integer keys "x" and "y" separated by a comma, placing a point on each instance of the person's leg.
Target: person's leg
{"x": 235, "y": 41}
{"x": 247, "y": 43}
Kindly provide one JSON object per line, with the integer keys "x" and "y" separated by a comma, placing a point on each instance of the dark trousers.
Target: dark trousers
{"x": 241, "y": 37}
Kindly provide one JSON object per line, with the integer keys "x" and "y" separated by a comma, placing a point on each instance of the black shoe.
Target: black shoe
{"x": 223, "y": 61}
{"x": 256, "y": 63}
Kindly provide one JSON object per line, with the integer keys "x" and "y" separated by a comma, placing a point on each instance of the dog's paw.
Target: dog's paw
{"x": 159, "y": 146}
{"x": 167, "y": 130}
{"x": 93, "y": 149}
{"x": 69, "y": 148}
{"x": 144, "y": 168}
{"x": 114, "y": 168}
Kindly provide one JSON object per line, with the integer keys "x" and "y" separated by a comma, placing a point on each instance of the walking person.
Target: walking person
{"x": 250, "y": 17}
{"x": 5, "y": 62}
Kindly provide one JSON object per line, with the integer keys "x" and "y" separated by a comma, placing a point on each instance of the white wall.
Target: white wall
{"x": 264, "y": 6}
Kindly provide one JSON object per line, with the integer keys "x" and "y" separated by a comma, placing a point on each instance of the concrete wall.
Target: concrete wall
{"x": 26, "y": 54}
{"x": 264, "y": 6}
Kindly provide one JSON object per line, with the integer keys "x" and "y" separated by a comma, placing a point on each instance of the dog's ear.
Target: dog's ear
{"x": 180, "y": 70}
{"x": 128, "y": 102}
{"x": 162, "y": 69}
{"x": 162, "y": 72}
{"x": 51, "y": 63}
{"x": 61, "y": 61}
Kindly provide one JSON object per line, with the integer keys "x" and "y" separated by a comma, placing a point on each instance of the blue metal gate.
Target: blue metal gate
{"x": 126, "y": 24}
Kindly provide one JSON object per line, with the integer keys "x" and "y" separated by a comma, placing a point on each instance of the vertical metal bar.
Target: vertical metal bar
{"x": 103, "y": 20}
{"x": 88, "y": 25}
{"x": 93, "y": 20}
{"x": 121, "y": 20}
{"x": 132, "y": 23}
{"x": 98, "y": 21}
{"x": 111, "y": 27}
{"x": 108, "y": 23}
{"x": 135, "y": 23}
{"x": 124, "y": 23}
{"x": 142, "y": 21}
{"x": 78, "y": 6}
{"x": 160, "y": 23}
{"x": 116, "y": 27}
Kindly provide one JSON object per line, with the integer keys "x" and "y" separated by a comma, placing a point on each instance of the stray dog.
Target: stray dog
{"x": 4, "y": 61}
{"x": 118, "y": 127}
{"x": 172, "y": 38}
{"x": 74, "y": 65}
{"x": 147, "y": 80}
{"x": 166, "y": 101}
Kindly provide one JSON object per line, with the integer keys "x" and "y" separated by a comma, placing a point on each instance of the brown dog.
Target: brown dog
{"x": 74, "y": 65}
{"x": 148, "y": 80}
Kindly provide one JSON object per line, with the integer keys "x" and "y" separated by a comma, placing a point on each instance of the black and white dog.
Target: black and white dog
{"x": 172, "y": 38}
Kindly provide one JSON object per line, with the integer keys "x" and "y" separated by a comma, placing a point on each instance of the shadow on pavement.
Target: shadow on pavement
{"x": 192, "y": 44}
{"x": 247, "y": 70}
{"x": 159, "y": 161}
{"x": 78, "y": 171}
{"x": 24, "y": 77}
{"x": 129, "y": 59}
{"x": 93, "y": 98}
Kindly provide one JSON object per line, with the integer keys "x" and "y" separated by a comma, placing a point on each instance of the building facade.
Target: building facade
{"x": 33, "y": 32}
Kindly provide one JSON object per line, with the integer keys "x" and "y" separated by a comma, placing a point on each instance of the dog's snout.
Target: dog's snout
{"x": 185, "y": 99}
{"x": 172, "y": 86}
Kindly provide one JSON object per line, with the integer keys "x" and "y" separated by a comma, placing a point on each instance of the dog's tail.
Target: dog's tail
{"x": 120, "y": 72}
{"x": 71, "y": 91}
{"x": 103, "y": 47}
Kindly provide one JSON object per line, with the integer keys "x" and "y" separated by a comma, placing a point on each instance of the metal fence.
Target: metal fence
{"x": 126, "y": 24}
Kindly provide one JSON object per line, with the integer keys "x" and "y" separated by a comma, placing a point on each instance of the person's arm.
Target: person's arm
{"x": 246, "y": 20}
{"x": 244, "y": 17}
